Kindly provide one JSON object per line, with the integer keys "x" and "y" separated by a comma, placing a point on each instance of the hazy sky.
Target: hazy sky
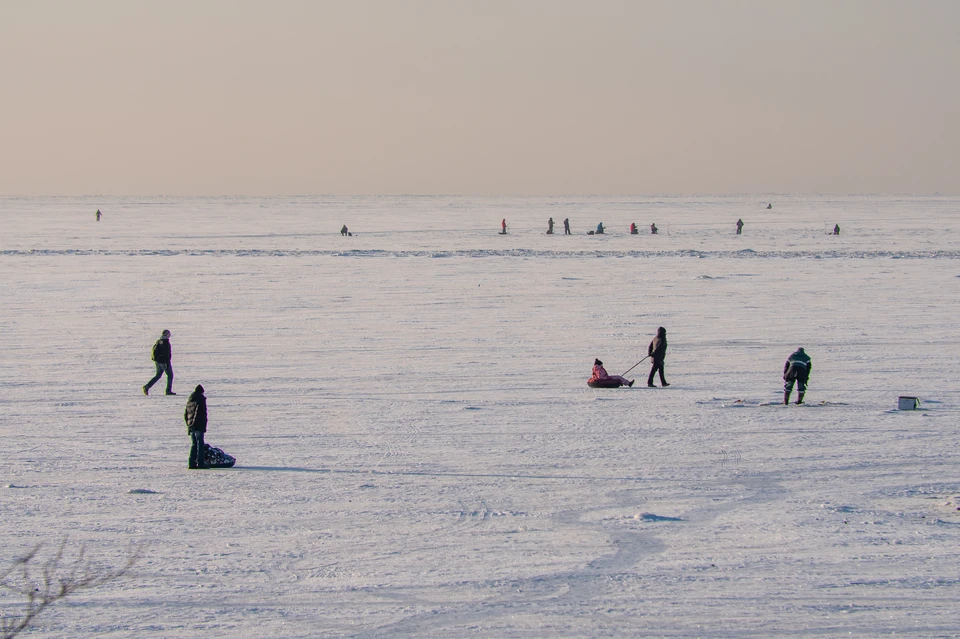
{"x": 517, "y": 97}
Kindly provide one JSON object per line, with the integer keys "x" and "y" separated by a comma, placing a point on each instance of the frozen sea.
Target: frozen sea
{"x": 418, "y": 452}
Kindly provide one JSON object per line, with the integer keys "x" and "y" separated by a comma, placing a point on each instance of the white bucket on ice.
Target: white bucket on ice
{"x": 908, "y": 403}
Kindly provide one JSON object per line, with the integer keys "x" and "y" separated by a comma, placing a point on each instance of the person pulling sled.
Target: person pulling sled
{"x": 657, "y": 350}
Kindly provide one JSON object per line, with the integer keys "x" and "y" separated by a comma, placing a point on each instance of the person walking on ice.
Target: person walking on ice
{"x": 195, "y": 415}
{"x": 162, "y": 357}
{"x": 796, "y": 369}
{"x": 657, "y": 350}
{"x": 739, "y": 226}
{"x": 566, "y": 226}
{"x": 503, "y": 226}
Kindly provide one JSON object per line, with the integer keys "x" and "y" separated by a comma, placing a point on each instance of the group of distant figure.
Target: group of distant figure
{"x": 634, "y": 230}
{"x": 601, "y": 230}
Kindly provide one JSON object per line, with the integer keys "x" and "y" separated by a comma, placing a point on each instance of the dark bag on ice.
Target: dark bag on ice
{"x": 216, "y": 458}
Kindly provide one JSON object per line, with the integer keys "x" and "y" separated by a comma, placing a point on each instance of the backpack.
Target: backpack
{"x": 158, "y": 346}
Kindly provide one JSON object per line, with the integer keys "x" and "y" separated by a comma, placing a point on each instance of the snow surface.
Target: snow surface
{"x": 418, "y": 452}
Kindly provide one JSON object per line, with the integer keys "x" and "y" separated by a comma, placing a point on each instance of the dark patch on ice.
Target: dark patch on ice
{"x": 142, "y": 491}
{"x": 14, "y": 486}
{"x": 472, "y": 408}
{"x": 652, "y": 517}
{"x": 577, "y": 279}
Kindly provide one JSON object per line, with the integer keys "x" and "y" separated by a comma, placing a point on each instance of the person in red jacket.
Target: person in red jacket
{"x": 599, "y": 373}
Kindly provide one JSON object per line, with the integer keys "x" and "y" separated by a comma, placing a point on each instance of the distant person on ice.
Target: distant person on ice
{"x": 162, "y": 356}
{"x": 657, "y": 351}
{"x": 503, "y": 226}
{"x": 836, "y": 229}
{"x": 599, "y": 373}
{"x": 633, "y": 228}
{"x": 653, "y": 229}
{"x": 600, "y": 228}
{"x": 769, "y": 206}
{"x": 343, "y": 230}
{"x": 98, "y": 215}
{"x": 739, "y": 227}
{"x": 550, "y": 226}
{"x": 566, "y": 226}
{"x": 796, "y": 369}
{"x": 195, "y": 415}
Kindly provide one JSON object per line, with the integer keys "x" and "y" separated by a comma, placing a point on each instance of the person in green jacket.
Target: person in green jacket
{"x": 162, "y": 356}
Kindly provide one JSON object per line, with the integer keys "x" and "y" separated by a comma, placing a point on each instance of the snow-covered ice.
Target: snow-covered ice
{"x": 418, "y": 452}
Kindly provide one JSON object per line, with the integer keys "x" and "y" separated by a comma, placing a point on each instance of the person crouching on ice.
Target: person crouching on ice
{"x": 796, "y": 369}
{"x": 599, "y": 372}
{"x": 195, "y": 415}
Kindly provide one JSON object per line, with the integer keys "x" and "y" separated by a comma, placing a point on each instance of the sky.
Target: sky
{"x": 479, "y": 97}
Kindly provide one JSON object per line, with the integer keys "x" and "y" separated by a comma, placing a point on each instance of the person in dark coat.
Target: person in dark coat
{"x": 739, "y": 226}
{"x": 550, "y": 226}
{"x": 162, "y": 357}
{"x": 836, "y": 229}
{"x": 566, "y": 226}
{"x": 657, "y": 351}
{"x": 796, "y": 369}
{"x": 195, "y": 415}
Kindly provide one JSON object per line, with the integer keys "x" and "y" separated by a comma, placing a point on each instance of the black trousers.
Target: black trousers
{"x": 798, "y": 374}
{"x": 657, "y": 367}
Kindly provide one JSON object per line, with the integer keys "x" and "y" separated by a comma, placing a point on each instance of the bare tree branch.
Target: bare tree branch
{"x": 44, "y": 584}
